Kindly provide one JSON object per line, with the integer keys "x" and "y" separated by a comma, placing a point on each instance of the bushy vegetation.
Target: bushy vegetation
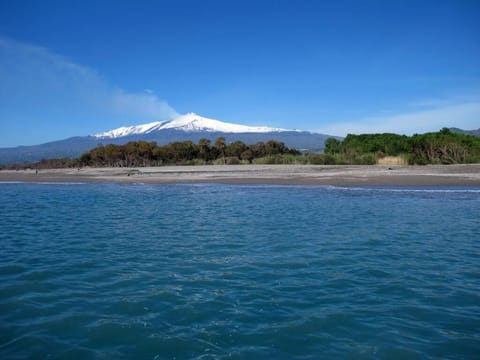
{"x": 142, "y": 153}
{"x": 442, "y": 147}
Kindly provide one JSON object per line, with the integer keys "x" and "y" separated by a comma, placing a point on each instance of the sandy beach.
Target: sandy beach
{"x": 362, "y": 175}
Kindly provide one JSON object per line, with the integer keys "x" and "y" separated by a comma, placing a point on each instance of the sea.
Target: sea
{"x": 211, "y": 271}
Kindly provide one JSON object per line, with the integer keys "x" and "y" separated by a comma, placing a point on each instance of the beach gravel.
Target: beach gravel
{"x": 343, "y": 175}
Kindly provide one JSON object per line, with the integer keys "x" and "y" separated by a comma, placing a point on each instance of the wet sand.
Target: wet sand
{"x": 345, "y": 175}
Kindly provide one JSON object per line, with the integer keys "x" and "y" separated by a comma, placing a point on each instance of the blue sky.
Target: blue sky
{"x": 80, "y": 67}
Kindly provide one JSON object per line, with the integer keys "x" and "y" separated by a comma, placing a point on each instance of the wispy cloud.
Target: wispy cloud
{"x": 465, "y": 115}
{"x": 39, "y": 86}
{"x": 147, "y": 104}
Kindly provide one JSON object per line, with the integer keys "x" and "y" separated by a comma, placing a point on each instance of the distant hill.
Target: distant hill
{"x": 186, "y": 127}
{"x": 469, "y": 132}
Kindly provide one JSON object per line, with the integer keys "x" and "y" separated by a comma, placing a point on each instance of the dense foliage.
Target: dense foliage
{"x": 142, "y": 153}
{"x": 442, "y": 147}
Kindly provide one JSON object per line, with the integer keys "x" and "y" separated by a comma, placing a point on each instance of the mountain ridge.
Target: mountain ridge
{"x": 468, "y": 132}
{"x": 188, "y": 127}
{"x": 187, "y": 122}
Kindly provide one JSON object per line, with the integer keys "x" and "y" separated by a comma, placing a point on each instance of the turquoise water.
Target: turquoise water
{"x": 112, "y": 271}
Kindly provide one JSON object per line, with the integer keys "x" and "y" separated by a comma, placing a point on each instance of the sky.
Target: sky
{"x": 81, "y": 67}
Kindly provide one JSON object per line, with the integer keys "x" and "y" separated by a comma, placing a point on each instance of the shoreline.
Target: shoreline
{"x": 336, "y": 175}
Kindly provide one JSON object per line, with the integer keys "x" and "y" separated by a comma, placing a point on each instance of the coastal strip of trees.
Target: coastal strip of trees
{"x": 442, "y": 147}
{"x": 143, "y": 153}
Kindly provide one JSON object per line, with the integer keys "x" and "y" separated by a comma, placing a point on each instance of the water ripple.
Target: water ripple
{"x": 214, "y": 271}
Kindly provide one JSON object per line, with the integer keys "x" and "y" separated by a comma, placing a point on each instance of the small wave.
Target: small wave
{"x": 62, "y": 183}
{"x": 405, "y": 189}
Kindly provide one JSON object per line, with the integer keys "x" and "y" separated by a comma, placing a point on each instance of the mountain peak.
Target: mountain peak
{"x": 189, "y": 122}
{"x": 195, "y": 122}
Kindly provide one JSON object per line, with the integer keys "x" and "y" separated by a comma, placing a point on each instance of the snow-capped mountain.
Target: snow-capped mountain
{"x": 191, "y": 127}
{"x": 129, "y": 130}
{"x": 187, "y": 122}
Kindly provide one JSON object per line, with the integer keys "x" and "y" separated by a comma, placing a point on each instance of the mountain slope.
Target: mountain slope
{"x": 190, "y": 122}
{"x": 468, "y": 132}
{"x": 186, "y": 127}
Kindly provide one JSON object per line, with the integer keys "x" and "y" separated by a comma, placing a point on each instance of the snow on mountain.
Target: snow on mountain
{"x": 189, "y": 127}
{"x": 194, "y": 122}
{"x": 190, "y": 122}
{"x": 129, "y": 130}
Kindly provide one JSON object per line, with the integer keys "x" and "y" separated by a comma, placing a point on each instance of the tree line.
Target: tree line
{"x": 143, "y": 153}
{"x": 441, "y": 147}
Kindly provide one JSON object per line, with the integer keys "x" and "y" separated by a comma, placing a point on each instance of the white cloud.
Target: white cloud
{"x": 462, "y": 115}
{"x": 35, "y": 77}
{"x": 148, "y": 105}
